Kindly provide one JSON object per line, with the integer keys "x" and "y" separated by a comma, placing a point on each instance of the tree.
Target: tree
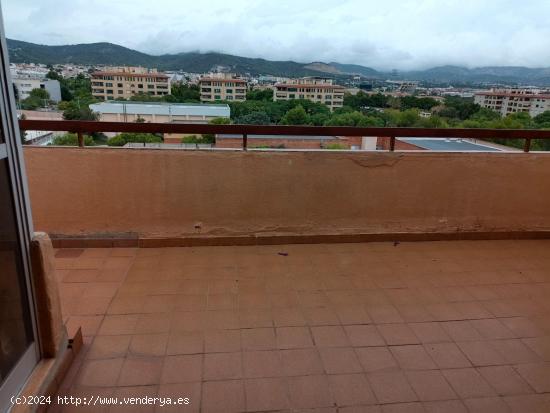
{"x": 433, "y": 121}
{"x": 254, "y": 118}
{"x": 194, "y": 139}
{"x": 295, "y": 116}
{"x": 185, "y": 93}
{"x": 484, "y": 115}
{"x": 52, "y": 74}
{"x": 462, "y": 108}
{"x": 37, "y": 98}
{"x": 73, "y": 111}
{"x": 209, "y": 137}
{"x": 346, "y": 119}
{"x": 424, "y": 103}
{"x": 71, "y": 139}
{"x": 362, "y": 100}
{"x": 542, "y": 120}
{"x": 408, "y": 117}
{"x": 319, "y": 119}
{"x": 265, "y": 94}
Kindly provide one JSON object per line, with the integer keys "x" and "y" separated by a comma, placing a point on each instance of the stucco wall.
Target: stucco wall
{"x": 174, "y": 192}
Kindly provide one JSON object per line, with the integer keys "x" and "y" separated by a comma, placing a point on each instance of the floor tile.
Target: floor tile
{"x": 310, "y": 391}
{"x": 391, "y": 387}
{"x": 468, "y": 383}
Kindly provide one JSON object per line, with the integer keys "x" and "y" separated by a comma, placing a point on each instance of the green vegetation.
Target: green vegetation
{"x": 37, "y": 98}
{"x": 71, "y": 139}
{"x": 194, "y": 139}
{"x": 266, "y": 94}
{"x": 179, "y": 94}
{"x": 335, "y": 146}
{"x": 296, "y": 116}
{"x": 208, "y": 137}
{"x": 124, "y": 138}
{"x": 74, "y": 111}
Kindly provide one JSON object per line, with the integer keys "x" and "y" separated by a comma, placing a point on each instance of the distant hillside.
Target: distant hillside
{"x": 490, "y": 74}
{"x": 112, "y": 54}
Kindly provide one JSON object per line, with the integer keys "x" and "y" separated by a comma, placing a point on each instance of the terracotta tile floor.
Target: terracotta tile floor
{"x": 378, "y": 327}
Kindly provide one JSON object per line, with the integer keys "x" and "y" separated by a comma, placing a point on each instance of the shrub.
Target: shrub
{"x": 71, "y": 139}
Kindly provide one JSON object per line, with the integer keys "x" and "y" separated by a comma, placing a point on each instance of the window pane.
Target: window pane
{"x": 15, "y": 322}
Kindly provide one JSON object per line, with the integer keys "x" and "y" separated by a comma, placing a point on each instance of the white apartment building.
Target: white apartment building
{"x": 222, "y": 86}
{"x": 26, "y": 83}
{"x": 316, "y": 89}
{"x": 506, "y": 101}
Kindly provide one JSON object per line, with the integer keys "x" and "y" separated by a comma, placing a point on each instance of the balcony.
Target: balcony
{"x": 268, "y": 280}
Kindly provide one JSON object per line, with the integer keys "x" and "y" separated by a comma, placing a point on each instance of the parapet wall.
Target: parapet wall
{"x": 175, "y": 193}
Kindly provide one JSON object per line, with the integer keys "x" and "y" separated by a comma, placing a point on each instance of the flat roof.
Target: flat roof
{"x": 114, "y": 73}
{"x": 515, "y": 95}
{"x": 176, "y": 109}
{"x": 449, "y": 144}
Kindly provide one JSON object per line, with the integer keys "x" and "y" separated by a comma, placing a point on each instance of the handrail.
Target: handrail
{"x": 80, "y": 127}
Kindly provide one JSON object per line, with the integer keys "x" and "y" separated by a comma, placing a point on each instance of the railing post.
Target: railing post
{"x": 245, "y": 141}
{"x": 527, "y": 145}
{"x": 392, "y": 143}
{"x": 80, "y": 139}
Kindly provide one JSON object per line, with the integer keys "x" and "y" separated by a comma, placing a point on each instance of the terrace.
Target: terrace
{"x": 301, "y": 281}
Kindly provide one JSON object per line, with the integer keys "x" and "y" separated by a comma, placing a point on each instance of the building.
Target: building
{"x": 160, "y": 113}
{"x": 24, "y": 84}
{"x": 506, "y": 101}
{"x": 402, "y": 87}
{"x": 316, "y": 89}
{"x": 222, "y": 86}
{"x": 124, "y": 82}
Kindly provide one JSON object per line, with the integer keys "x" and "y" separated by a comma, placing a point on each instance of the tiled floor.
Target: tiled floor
{"x": 411, "y": 327}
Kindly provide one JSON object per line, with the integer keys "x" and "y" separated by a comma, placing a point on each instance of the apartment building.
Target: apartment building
{"x": 124, "y": 82}
{"x": 316, "y": 89}
{"x": 24, "y": 84}
{"x": 506, "y": 101}
{"x": 222, "y": 86}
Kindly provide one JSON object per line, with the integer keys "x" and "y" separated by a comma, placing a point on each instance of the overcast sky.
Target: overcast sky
{"x": 384, "y": 34}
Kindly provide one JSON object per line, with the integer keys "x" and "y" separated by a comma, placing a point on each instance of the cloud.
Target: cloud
{"x": 401, "y": 34}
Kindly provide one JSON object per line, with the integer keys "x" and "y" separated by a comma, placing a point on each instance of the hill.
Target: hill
{"x": 112, "y": 54}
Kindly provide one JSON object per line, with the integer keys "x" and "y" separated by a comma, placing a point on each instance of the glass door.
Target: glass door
{"x": 18, "y": 344}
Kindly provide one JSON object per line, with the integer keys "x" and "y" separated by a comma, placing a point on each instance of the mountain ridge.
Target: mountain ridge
{"x": 105, "y": 53}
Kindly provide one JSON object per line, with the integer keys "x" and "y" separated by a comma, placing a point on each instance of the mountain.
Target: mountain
{"x": 92, "y": 53}
{"x": 489, "y": 74}
{"x": 112, "y": 54}
{"x": 355, "y": 69}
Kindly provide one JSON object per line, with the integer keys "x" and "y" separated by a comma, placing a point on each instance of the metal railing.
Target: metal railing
{"x": 82, "y": 127}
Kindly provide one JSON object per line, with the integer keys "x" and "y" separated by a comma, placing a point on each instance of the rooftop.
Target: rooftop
{"x": 450, "y": 145}
{"x": 137, "y": 108}
{"x": 435, "y": 326}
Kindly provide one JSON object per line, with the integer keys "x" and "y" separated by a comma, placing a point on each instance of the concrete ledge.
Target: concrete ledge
{"x": 186, "y": 194}
{"x": 93, "y": 241}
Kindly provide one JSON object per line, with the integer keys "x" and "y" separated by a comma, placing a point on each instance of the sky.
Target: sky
{"x": 383, "y": 34}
